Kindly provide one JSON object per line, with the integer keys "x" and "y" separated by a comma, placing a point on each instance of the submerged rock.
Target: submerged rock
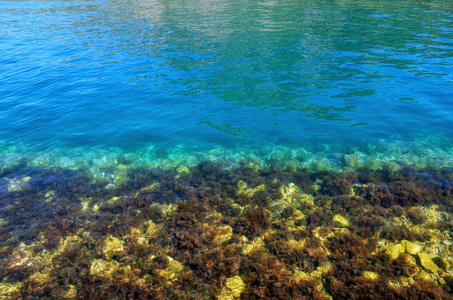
{"x": 224, "y": 234}
{"x": 233, "y": 289}
{"x": 256, "y": 244}
{"x": 173, "y": 270}
{"x": 395, "y": 250}
{"x": 340, "y": 221}
{"x": 112, "y": 246}
{"x": 103, "y": 267}
{"x": 427, "y": 263}
{"x": 411, "y": 248}
{"x": 370, "y": 275}
{"x": 212, "y": 233}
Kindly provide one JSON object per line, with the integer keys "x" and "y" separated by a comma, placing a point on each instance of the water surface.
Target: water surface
{"x": 231, "y": 73}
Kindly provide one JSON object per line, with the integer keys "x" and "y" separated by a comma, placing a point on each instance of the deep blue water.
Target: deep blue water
{"x": 293, "y": 73}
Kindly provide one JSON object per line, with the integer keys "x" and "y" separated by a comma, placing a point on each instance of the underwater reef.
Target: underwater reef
{"x": 209, "y": 232}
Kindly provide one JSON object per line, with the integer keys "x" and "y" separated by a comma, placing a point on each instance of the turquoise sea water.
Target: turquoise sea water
{"x": 320, "y": 75}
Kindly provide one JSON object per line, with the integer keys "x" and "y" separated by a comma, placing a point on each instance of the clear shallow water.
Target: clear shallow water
{"x": 298, "y": 74}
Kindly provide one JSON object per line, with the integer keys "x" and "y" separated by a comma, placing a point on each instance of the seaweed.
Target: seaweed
{"x": 417, "y": 216}
{"x": 187, "y": 232}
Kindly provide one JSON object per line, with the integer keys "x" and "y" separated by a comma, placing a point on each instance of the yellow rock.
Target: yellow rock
{"x": 71, "y": 293}
{"x": 135, "y": 231}
{"x": 151, "y": 187}
{"x": 152, "y": 228}
{"x": 142, "y": 241}
{"x": 423, "y": 276}
{"x": 427, "y": 263}
{"x": 113, "y": 200}
{"x": 397, "y": 221}
{"x": 406, "y": 281}
{"x": 408, "y": 259}
{"x": 233, "y": 289}
{"x": 95, "y": 208}
{"x": 411, "y": 248}
{"x": 292, "y": 194}
{"x": 295, "y": 244}
{"x": 256, "y": 243}
{"x": 236, "y": 285}
{"x": 395, "y": 250}
{"x": 40, "y": 277}
{"x": 126, "y": 269}
{"x": 7, "y": 290}
{"x": 21, "y": 255}
{"x": 250, "y": 192}
{"x": 182, "y": 169}
{"x": 316, "y": 274}
{"x": 324, "y": 295}
{"x": 247, "y": 249}
{"x": 104, "y": 268}
{"x": 289, "y": 191}
{"x": 225, "y": 233}
{"x": 69, "y": 241}
{"x": 325, "y": 268}
{"x": 172, "y": 271}
{"x": 169, "y": 208}
{"x": 298, "y": 215}
{"x": 340, "y": 221}
{"x": 370, "y": 275}
{"x": 241, "y": 185}
{"x": 306, "y": 199}
{"x": 112, "y": 246}
{"x": 300, "y": 275}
